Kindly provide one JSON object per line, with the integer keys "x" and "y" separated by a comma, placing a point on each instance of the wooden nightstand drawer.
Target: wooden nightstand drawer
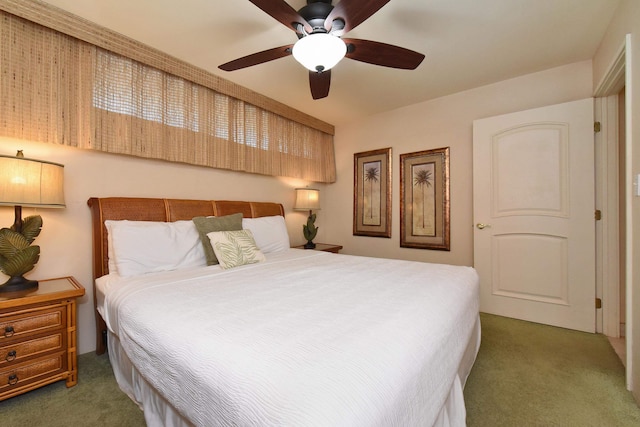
{"x": 32, "y": 321}
{"x": 18, "y": 351}
{"x": 15, "y": 378}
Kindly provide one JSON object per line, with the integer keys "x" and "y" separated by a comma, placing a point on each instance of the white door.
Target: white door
{"x": 534, "y": 226}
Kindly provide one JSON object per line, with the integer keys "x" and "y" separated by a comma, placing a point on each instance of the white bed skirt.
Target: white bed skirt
{"x": 159, "y": 412}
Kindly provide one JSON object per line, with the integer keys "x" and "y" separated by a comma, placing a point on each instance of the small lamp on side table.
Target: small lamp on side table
{"x": 308, "y": 199}
{"x": 25, "y": 182}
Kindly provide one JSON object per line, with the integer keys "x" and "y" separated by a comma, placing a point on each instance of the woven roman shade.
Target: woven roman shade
{"x": 56, "y": 88}
{"x": 45, "y": 92}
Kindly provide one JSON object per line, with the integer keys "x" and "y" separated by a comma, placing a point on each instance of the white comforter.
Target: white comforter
{"x": 305, "y": 339}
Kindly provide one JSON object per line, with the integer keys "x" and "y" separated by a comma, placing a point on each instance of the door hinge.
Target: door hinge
{"x": 596, "y": 127}
{"x": 598, "y": 303}
{"x": 598, "y": 215}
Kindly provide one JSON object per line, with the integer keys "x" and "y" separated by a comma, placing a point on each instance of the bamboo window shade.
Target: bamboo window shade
{"x": 55, "y": 87}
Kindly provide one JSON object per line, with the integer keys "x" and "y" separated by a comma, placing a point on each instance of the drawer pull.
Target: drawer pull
{"x": 11, "y": 356}
{"x": 13, "y": 379}
{"x": 8, "y": 331}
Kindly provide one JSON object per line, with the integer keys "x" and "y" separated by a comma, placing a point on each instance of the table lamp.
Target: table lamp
{"x": 308, "y": 199}
{"x": 33, "y": 183}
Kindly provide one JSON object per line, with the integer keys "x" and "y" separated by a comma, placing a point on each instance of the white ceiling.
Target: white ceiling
{"x": 467, "y": 43}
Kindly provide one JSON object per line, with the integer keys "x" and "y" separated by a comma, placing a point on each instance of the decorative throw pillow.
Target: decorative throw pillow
{"x": 209, "y": 224}
{"x": 235, "y": 248}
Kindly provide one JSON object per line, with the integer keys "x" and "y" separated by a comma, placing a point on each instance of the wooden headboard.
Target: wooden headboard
{"x": 167, "y": 210}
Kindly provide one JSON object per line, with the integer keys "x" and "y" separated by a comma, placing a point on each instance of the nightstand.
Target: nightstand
{"x": 38, "y": 336}
{"x": 325, "y": 247}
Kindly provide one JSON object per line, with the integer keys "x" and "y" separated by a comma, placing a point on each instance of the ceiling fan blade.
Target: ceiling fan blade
{"x": 353, "y": 13}
{"x": 319, "y": 83}
{"x": 257, "y": 58}
{"x": 382, "y": 54}
{"x": 282, "y": 12}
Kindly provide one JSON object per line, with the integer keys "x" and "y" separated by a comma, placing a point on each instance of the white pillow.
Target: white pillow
{"x": 235, "y": 248}
{"x": 269, "y": 232}
{"x": 140, "y": 247}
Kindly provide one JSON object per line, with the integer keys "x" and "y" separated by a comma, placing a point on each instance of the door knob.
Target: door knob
{"x": 482, "y": 226}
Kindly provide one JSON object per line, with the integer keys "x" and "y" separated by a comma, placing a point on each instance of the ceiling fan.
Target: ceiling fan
{"x": 319, "y": 26}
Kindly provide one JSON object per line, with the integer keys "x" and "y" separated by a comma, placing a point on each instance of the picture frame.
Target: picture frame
{"x": 424, "y": 200}
{"x": 372, "y": 193}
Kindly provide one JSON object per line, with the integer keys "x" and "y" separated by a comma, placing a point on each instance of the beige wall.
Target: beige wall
{"x": 627, "y": 21}
{"x": 438, "y": 123}
{"x": 65, "y": 240}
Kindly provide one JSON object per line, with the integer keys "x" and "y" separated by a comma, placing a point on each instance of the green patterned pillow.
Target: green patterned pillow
{"x": 235, "y": 248}
{"x": 209, "y": 224}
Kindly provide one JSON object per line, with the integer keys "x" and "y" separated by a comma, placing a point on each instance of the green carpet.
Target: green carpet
{"x": 528, "y": 374}
{"x": 95, "y": 401}
{"x": 525, "y": 375}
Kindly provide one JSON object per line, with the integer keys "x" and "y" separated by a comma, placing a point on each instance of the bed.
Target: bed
{"x": 296, "y": 338}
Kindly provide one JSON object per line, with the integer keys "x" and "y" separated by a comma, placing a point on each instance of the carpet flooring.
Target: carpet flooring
{"x": 528, "y": 374}
{"x": 95, "y": 401}
{"x": 525, "y": 375}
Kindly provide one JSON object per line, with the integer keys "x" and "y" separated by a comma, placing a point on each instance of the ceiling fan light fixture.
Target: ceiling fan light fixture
{"x": 319, "y": 52}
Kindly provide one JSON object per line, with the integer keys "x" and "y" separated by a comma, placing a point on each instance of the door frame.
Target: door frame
{"x": 607, "y": 229}
{"x": 617, "y": 76}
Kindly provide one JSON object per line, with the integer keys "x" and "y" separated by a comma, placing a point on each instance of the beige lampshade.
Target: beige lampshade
{"x": 28, "y": 182}
{"x": 307, "y": 199}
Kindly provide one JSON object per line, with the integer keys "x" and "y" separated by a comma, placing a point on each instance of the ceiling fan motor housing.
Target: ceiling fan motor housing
{"x": 315, "y": 13}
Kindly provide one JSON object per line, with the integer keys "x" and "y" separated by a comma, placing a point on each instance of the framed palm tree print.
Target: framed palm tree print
{"x": 424, "y": 199}
{"x": 372, "y": 193}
